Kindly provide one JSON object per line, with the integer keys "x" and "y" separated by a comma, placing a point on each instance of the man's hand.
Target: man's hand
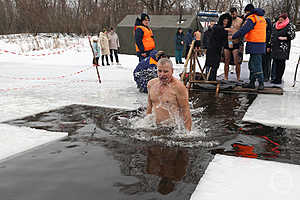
{"x": 230, "y": 37}
{"x": 268, "y": 50}
{"x": 144, "y": 54}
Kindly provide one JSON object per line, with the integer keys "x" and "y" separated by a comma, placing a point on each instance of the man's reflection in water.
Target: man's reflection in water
{"x": 168, "y": 163}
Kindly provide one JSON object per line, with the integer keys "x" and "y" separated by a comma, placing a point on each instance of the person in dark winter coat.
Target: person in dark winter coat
{"x": 282, "y": 34}
{"x": 147, "y": 70}
{"x": 217, "y": 40}
{"x": 179, "y": 44}
{"x": 205, "y": 42}
{"x": 207, "y": 34}
{"x": 254, "y": 31}
{"x": 188, "y": 41}
{"x": 266, "y": 58}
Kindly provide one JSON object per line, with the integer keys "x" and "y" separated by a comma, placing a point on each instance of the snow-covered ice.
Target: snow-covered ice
{"x": 228, "y": 177}
{"x": 15, "y": 140}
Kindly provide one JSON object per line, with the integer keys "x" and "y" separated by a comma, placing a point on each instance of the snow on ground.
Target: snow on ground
{"x": 235, "y": 178}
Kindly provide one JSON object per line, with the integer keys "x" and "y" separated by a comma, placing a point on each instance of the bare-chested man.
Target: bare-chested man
{"x": 197, "y": 45}
{"x": 233, "y": 45}
{"x": 167, "y": 96}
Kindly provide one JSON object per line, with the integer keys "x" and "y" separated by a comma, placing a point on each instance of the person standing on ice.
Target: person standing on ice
{"x": 266, "y": 58}
{"x": 147, "y": 70}
{"x": 188, "y": 41}
{"x": 179, "y": 45}
{"x": 217, "y": 39}
{"x": 168, "y": 98}
{"x": 254, "y": 31}
{"x": 144, "y": 39}
{"x": 114, "y": 45}
{"x": 96, "y": 50}
{"x": 104, "y": 44}
{"x": 282, "y": 34}
{"x": 233, "y": 46}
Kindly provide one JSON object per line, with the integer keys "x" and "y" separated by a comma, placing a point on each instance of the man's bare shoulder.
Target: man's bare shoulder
{"x": 239, "y": 19}
{"x": 179, "y": 84}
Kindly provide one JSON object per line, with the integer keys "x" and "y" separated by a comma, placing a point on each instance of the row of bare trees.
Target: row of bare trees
{"x": 82, "y": 16}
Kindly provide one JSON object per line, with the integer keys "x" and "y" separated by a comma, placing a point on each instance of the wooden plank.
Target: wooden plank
{"x": 267, "y": 90}
{"x": 239, "y": 89}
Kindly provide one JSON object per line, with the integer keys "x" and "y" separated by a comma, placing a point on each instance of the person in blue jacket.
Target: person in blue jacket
{"x": 147, "y": 70}
{"x": 96, "y": 50}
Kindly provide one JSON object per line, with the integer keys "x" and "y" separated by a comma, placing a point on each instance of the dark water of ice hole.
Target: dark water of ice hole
{"x": 105, "y": 158}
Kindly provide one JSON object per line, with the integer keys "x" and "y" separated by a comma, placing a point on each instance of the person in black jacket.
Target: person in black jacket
{"x": 282, "y": 34}
{"x": 217, "y": 40}
{"x": 205, "y": 41}
{"x": 266, "y": 58}
{"x": 188, "y": 41}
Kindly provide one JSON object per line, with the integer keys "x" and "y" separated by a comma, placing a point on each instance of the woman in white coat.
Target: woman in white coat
{"x": 104, "y": 44}
{"x": 114, "y": 45}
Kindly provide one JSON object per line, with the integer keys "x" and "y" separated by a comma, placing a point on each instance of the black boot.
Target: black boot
{"x": 250, "y": 85}
{"x": 261, "y": 86}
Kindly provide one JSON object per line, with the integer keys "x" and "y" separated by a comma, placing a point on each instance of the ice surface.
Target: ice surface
{"x": 238, "y": 178}
{"x": 15, "y": 140}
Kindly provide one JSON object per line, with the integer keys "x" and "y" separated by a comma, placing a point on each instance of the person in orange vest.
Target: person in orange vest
{"x": 144, "y": 39}
{"x": 254, "y": 31}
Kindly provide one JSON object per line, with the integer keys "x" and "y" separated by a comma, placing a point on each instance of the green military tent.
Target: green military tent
{"x": 164, "y": 28}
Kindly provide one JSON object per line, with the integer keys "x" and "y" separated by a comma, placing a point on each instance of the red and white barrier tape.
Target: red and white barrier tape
{"x": 44, "y": 85}
{"x": 38, "y": 55}
{"x": 47, "y": 78}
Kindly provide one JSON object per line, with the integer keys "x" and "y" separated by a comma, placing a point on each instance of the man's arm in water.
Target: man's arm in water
{"x": 149, "y": 106}
{"x": 183, "y": 102}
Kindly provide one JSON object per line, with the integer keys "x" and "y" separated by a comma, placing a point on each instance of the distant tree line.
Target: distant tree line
{"x": 86, "y": 16}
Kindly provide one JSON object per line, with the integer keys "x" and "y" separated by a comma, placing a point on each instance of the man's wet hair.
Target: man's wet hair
{"x": 164, "y": 61}
{"x": 232, "y": 10}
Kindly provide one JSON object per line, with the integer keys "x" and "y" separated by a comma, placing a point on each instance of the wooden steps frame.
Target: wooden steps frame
{"x": 193, "y": 62}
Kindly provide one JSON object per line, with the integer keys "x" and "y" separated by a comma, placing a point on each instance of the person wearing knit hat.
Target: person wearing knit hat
{"x": 144, "y": 39}
{"x": 254, "y": 31}
{"x": 282, "y": 34}
{"x": 283, "y": 16}
{"x": 144, "y": 16}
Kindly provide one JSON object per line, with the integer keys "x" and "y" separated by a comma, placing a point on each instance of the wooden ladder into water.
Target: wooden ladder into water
{"x": 193, "y": 62}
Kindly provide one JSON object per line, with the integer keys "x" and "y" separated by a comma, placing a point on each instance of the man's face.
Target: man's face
{"x": 165, "y": 73}
{"x": 233, "y": 15}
